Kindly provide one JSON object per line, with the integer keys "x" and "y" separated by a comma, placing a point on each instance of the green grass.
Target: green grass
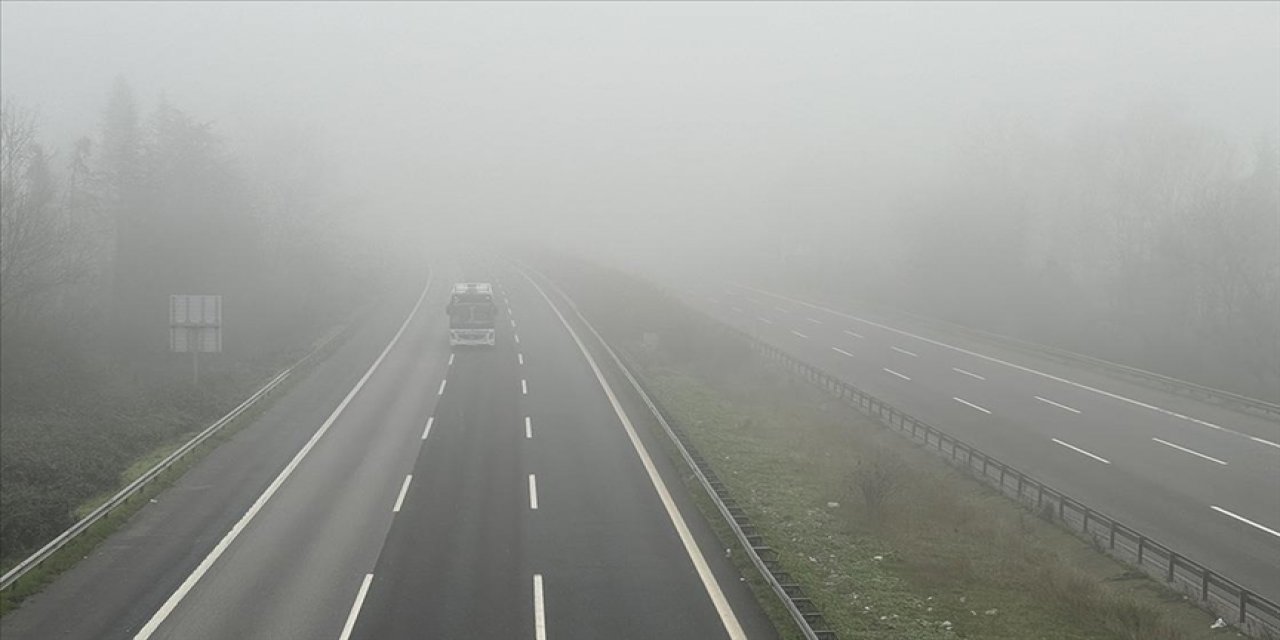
{"x": 84, "y": 544}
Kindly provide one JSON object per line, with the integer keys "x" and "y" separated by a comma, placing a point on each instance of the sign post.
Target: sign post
{"x": 195, "y": 325}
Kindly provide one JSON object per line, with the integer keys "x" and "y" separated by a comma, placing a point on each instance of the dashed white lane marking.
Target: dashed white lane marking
{"x": 528, "y": 428}
{"x": 539, "y": 616}
{"x": 967, "y": 373}
{"x": 780, "y": 310}
{"x": 1011, "y": 365}
{"x": 899, "y": 350}
{"x": 798, "y": 334}
{"x": 451, "y": 359}
{"x": 1060, "y": 406}
{"x": 853, "y": 333}
{"x": 513, "y": 323}
{"x": 753, "y": 301}
{"x": 404, "y": 489}
{"x": 520, "y": 358}
{"x": 766, "y": 320}
{"x": 355, "y": 607}
{"x": 736, "y": 309}
{"x": 517, "y": 337}
{"x": 1266, "y": 442}
{"x": 426, "y": 431}
{"x": 969, "y": 404}
{"x": 1190, "y": 451}
{"x": 1246, "y": 521}
{"x": 814, "y": 321}
{"x": 732, "y": 626}
{"x": 533, "y": 492}
{"x": 442, "y": 383}
{"x": 713, "y": 300}
{"x": 524, "y": 387}
{"x": 897, "y": 374}
{"x": 1079, "y": 450}
{"x": 187, "y": 585}
{"x": 839, "y": 350}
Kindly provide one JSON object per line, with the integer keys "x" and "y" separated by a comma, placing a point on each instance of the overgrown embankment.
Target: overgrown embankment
{"x": 888, "y": 540}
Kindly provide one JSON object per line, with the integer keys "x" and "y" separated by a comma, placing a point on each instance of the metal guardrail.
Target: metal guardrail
{"x": 1252, "y": 613}
{"x": 808, "y": 619}
{"x": 1182, "y": 387}
{"x": 133, "y": 488}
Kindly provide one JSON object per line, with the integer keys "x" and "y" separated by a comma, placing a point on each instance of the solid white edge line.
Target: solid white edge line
{"x": 187, "y": 585}
{"x": 442, "y": 383}
{"x": 1190, "y": 451}
{"x": 426, "y": 431}
{"x": 969, "y": 404}
{"x": 975, "y": 354}
{"x": 539, "y": 614}
{"x": 1245, "y": 520}
{"x": 839, "y": 350}
{"x": 897, "y": 374}
{"x": 528, "y": 428}
{"x": 1060, "y": 406}
{"x": 404, "y": 489}
{"x": 797, "y": 333}
{"x": 533, "y": 492}
{"x": 355, "y": 607}
{"x": 967, "y": 373}
{"x": 727, "y": 617}
{"x": 524, "y": 387}
{"x": 901, "y": 350}
{"x": 1079, "y": 450}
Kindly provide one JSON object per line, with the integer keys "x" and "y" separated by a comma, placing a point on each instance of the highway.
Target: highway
{"x": 406, "y": 490}
{"x": 1196, "y": 476}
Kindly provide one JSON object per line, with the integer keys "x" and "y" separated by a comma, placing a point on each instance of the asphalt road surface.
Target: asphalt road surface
{"x": 1198, "y": 477}
{"x": 404, "y": 490}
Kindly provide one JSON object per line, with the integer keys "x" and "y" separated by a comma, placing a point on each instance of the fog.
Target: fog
{"x": 941, "y": 157}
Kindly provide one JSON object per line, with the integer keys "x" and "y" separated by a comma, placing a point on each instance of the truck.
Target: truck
{"x": 472, "y": 314}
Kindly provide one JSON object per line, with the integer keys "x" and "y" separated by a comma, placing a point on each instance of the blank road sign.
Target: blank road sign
{"x": 195, "y": 323}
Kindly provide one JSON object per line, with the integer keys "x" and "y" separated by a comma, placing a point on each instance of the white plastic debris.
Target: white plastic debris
{"x": 832, "y": 505}
{"x": 990, "y": 612}
{"x": 877, "y": 558}
{"x": 946, "y": 624}
{"x": 728, "y": 552}
{"x": 1218, "y": 624}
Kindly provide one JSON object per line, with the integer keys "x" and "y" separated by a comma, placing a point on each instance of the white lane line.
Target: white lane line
{"x": 524, "y": 387}
{"x": 781, "y": 310}
{"x": 814, "y": 320}
{"x": 897, "y": 374}
{"x": 712, "y": 300}
{"x": 975, "y": 354}
{"x": 355, "y": 607}
{"x": 520, "y": 358}
{"x": 839, "y": 350}
{"x": 969, "y": 404}
{"x": 736, "y": 309}
{"x": 442, "y": 383}
{"x": 797, "y": 333}
{"x": 1079, "y": 450}
{"x": 967, "y": 373}
{"x": 451, "y": 359}
{"x": 733, "y": 628}
{"x": 1266, "y": 442}
{"x": 853, "y": 333}
{"x": 1060, "y": 406}
{"x": 533, "y": 492}
{"x": 513, "y": 323}
{"x": 1190, "y": 451}
{"x": 528, "y": 428}
{"x": 754, "y": 301}
{"x": 539, "y": 616}
{"x": 404, "y": 489}
{"x": 1246, "y": 521}
{"x": 904, "y": 351}
{"x": 766, "y": 321}
{"x": 517, "y": 337}
{"x": 426, "y": 431}
{"x": 187, "y": 585}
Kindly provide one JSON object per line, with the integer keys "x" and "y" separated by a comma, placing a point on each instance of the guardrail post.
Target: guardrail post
{"x": 1085, "y": 528}
{"x": 1173, "y": 561}
{"x": 1142, "y": 542}
{"x": 1204, "y": 584}
{"x": 1244, "y": 604}
{"x": 1112, "y": 543}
